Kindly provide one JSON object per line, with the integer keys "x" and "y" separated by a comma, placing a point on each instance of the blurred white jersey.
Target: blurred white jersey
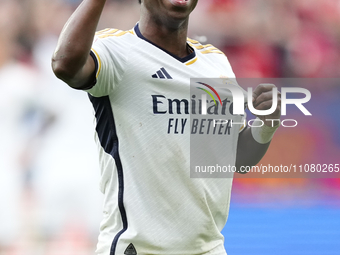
{"x": 141, "y": 97}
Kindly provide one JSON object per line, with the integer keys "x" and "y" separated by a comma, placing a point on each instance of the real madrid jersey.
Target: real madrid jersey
{"x": 143, "y": 114}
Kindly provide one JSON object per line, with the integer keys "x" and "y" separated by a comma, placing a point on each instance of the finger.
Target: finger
{"x": 265, "y": 96}
{"x": 261, "y": 89}
{"x": 265, "y": 105}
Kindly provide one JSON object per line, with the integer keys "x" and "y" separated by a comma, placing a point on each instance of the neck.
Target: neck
{"x": 167, "y": 35}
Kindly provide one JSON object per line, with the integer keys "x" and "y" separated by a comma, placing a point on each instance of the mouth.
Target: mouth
{"x": 180, "y": 2}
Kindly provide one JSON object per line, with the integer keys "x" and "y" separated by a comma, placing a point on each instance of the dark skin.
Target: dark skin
{"x": 250, "y": 152}
{"x": 163, "y": 22}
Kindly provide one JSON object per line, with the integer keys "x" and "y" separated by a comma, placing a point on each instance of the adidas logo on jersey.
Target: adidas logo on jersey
{"x": 162, "y": 74}
{"x": 130, "y": 250}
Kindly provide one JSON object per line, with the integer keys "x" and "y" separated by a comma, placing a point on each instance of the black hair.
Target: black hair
{"x": 140, "y": 1}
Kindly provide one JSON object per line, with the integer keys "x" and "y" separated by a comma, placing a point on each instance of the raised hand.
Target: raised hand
{"x": 262, "y": 99}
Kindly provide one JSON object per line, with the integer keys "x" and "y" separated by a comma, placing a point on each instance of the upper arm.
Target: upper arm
{"x": 86, "y": 77}
{"x": 67, "y": 71}
{"x": 103, "y": 68}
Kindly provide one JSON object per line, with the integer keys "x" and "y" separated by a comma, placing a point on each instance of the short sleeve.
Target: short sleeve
{"x": 109, "y": 59}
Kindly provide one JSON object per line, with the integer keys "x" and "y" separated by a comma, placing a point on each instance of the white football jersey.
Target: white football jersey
{"x": 151, "y": 205}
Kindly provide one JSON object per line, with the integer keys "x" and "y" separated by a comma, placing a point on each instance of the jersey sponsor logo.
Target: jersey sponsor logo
{"x": 199, "y": 124}
{"x": 162, "y": 74}
{"x": 163, "y": 105}
{"x": 130, "y": 250}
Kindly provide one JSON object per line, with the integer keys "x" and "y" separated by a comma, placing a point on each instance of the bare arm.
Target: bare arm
{"x": 71, "y": 61}
{"x": 249, "y": 151}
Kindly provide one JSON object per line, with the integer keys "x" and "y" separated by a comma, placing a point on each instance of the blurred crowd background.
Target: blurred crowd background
{"x": 49, "y": 197}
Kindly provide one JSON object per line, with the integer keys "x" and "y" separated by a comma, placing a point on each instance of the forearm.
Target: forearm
{"x": 249, "y": 151}
{"x": 76, "y": 39}
{"x": 253, "y": 142}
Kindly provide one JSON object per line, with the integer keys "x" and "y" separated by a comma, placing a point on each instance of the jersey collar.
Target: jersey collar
{"x": 192, "y": 55}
